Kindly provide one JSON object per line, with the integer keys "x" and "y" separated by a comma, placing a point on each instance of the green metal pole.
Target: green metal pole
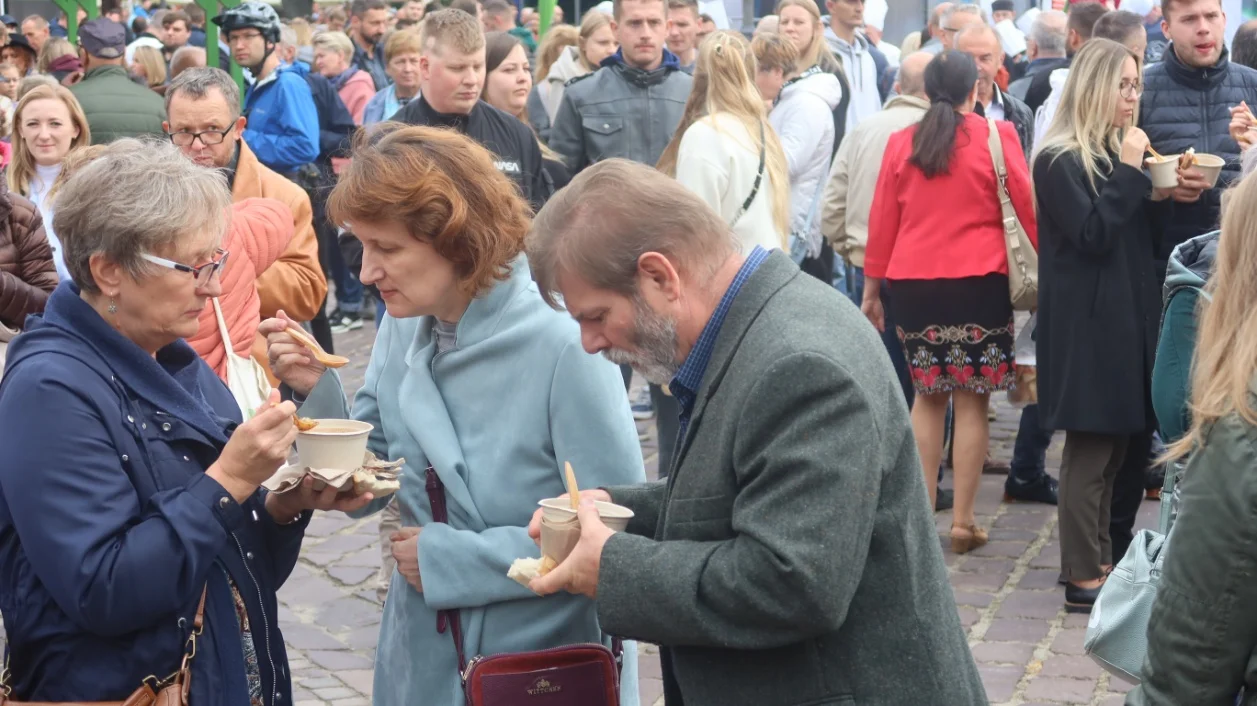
{"x": 545, "y": 11}
{"x": 71, "y": 10}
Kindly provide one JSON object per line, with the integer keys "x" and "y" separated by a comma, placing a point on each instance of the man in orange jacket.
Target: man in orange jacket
{"x": 205, "y": 122}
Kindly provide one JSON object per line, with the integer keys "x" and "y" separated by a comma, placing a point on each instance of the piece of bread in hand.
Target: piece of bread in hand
{"x": 1187, "y": 160}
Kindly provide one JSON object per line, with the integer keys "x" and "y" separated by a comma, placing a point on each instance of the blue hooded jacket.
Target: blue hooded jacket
{"x": 110, "y": 528}
{"x": 283, "y": 129}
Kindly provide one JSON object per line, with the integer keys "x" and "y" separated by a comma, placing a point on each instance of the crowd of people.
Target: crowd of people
{"x": 809, "y": 242}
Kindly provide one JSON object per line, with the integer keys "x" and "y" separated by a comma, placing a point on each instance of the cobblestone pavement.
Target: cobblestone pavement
{"x": 1028, "y": 650}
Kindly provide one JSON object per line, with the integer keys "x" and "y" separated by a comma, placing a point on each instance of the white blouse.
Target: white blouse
{"x": 39, "y": 186}
{"x": 718, "y": 161}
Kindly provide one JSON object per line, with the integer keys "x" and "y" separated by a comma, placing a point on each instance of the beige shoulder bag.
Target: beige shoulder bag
{"x": 1023, "y": 259}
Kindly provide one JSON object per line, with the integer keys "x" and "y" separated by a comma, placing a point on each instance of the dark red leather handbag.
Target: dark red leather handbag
{"x": 586, "y": 674}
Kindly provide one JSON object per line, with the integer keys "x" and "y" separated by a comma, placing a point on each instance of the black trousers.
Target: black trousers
{"x": 320, "y": 327}
{"x": 822, "y": 266}
{"x": 1128, "y": 493}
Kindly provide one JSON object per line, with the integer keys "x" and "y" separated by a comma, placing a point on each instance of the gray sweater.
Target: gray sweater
{"x": 791, "y": 557}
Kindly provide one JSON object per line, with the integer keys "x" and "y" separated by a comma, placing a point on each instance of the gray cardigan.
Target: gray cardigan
{"x": 791, "y": 557}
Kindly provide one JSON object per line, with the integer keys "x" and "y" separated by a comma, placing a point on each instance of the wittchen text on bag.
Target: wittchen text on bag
{"x": 586, "y": 674}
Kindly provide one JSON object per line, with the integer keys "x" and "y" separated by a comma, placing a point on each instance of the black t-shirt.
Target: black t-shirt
{"x": 515, "y": 148}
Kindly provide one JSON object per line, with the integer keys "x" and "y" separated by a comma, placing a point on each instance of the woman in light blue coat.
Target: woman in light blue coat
{"x": 474, "y": 375}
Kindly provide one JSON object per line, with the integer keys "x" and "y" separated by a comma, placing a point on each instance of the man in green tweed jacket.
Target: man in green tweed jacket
{"x": 790, "y": 558}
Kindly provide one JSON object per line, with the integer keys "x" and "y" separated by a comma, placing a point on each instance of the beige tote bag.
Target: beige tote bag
{"x": 245, "y": 377}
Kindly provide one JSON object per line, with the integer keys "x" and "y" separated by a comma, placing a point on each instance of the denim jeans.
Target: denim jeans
{"x": 1030, "y": 448}
{"x": 840, "y": 281}
{"x": 854, "y": 283}
{"x": 348, "y": 288}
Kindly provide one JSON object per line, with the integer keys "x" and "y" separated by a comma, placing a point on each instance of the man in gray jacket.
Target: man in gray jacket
{"x": 630, "y": 107}
{"x": 790, "y": 557}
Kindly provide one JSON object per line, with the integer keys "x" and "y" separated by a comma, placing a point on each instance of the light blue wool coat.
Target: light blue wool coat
{"x": 496, "y": 417}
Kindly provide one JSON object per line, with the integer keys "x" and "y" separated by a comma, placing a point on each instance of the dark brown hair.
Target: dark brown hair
{"x": 1167, "y": 5}
{"x": 445, "y": 189}
{"x": 1117, "y": 25}
{"x": 1083, "y": 17}
{"x": 497, "y": 46}
{"x": 176, "y": 16}
{"x": 949, "y": 79}
{"x": 362, "y": 7}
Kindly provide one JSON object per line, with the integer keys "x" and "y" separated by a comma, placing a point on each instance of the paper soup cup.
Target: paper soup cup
{"x": 338, "y": 444}
{"x": 1164, "y": 172}
{"x": 559, "y": 512}
{"x": 557, "y": 541}
{"x": 1211, "y": 166}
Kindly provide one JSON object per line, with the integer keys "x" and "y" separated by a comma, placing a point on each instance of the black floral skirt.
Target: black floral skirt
{"x": 957, "y": 334}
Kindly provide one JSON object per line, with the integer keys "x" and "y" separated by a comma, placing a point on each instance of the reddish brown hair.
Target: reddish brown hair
{"x": 445, "y": 189}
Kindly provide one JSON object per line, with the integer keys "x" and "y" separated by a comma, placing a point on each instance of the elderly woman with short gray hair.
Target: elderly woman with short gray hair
{"x": 129, "y": 498}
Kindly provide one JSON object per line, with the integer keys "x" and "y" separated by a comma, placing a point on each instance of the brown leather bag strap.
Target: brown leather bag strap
{"x": 198, "y": 623}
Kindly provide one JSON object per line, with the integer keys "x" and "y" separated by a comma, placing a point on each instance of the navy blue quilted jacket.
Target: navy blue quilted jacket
{"x": 1186, "y": 107}
{"x": 110, "y": 528}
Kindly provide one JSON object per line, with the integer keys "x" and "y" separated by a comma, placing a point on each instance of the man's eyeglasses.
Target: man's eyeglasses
{"x": 202, "y": 274}
{"x": 234, "y": 37}
{"x": 208, "y": 137}
{"x": 1130, "y": 89}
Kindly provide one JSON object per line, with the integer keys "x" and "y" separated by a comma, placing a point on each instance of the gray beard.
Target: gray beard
{"x": 655, "y": 340}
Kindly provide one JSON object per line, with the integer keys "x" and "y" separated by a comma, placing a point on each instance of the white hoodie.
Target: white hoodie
{"x": 567, "y": 67}
{"x": 804, "y": 120}
{"x": 861, "y": 72}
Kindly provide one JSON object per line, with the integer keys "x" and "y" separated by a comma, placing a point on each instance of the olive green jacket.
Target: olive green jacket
{"x": 117, "y": 107}
{"x": 1202, "y": 636}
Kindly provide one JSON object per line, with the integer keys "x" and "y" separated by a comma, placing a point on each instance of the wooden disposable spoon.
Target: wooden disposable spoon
{"x": 301, "y": 423}
{"x": 573, "y": 492}
{"x": 331, "y": 361}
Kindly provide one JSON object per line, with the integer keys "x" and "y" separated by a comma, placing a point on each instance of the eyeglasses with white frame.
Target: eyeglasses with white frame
{"x": 203, "y": 274}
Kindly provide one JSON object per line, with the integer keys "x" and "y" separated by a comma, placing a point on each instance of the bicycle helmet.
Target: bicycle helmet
{"x": 252, "y": 14}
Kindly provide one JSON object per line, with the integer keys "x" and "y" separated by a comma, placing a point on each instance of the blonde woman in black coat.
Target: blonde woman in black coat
{"x": 1099, "y": 298}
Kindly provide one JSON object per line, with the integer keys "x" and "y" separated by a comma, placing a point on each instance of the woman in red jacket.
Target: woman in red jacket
{"x": 936, "y": 232}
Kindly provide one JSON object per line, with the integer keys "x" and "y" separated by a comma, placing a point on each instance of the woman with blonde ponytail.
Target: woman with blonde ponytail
{"x": 1203, "y": 631}
{"x": 725, "y": 150}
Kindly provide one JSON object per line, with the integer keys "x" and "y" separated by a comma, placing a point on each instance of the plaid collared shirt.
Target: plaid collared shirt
{"x": 689, "y": 377}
